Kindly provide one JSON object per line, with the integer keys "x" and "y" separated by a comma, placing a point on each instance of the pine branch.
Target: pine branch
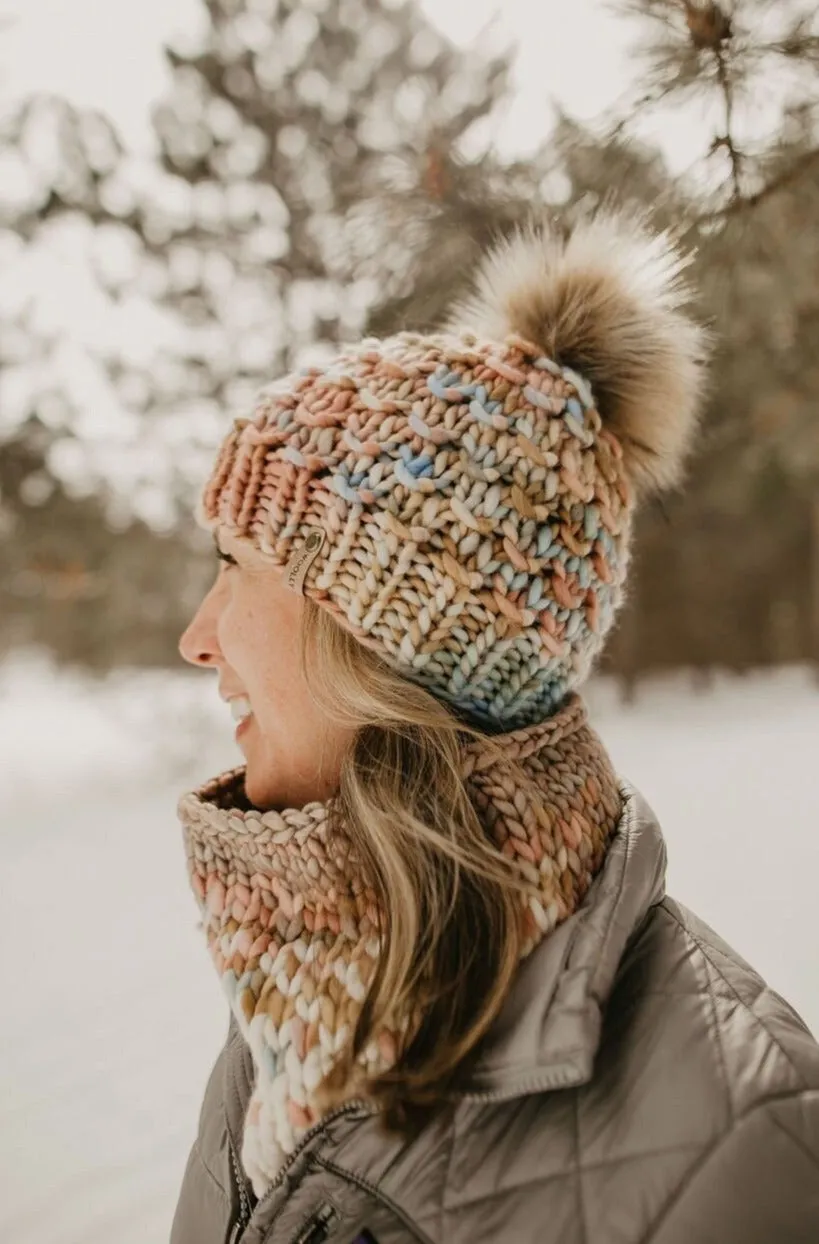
{"x": 746, "y": 202}
{"x": 727, "y": 141}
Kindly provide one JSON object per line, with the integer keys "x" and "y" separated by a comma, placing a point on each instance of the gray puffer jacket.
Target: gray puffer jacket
{"x": 641, "y": 1086}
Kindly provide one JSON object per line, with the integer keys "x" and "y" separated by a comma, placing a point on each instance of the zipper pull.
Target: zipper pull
{"x": 317, "y": 1229}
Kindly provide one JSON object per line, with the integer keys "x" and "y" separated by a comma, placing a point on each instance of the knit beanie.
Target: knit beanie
{"x": 462, "y": 501}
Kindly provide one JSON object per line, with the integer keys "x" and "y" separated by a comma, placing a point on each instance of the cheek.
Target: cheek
{"x": 230, "y": 630}
{"x": 260, "y": 637}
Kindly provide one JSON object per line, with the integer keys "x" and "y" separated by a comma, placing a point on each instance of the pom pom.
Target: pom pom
{"x": 609, "y": 302}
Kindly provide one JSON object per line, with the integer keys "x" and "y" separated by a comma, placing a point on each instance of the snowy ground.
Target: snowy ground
{"x": 111, "y": 1013}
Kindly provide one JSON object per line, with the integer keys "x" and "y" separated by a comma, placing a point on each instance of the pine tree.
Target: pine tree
{"x": 745, "y": 64}
{"x": 724, "y": 563}
{"x": 80, "y": 575}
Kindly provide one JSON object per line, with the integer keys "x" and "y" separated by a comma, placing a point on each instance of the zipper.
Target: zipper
{"x": 318, "y": 1227}
{"x": 244, "y": 1200}
{"x": 350, "y": 1107}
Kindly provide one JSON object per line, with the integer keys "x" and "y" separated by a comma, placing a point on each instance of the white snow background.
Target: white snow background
{"x": 112, "y": 1014}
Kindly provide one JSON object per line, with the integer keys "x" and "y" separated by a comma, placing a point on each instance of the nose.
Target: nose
{"x": 199, "y": 645}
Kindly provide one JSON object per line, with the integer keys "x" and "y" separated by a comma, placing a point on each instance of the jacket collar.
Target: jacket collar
{"x": 548, "y": 1032}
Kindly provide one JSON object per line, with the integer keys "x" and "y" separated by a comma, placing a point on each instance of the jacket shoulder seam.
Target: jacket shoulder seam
{"x": 723, "y": 1061}
{"x": 735, "y": 994}
{"x": 796, "y": 1140}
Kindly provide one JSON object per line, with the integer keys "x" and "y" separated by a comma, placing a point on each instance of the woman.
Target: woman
{"x": 463, "y": 1008}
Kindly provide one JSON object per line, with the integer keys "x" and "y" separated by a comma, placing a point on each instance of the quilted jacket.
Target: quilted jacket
{"x": 642, "y": 1085}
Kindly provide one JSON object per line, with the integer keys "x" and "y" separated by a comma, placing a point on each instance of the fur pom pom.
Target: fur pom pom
{"x": 608, "y": 302}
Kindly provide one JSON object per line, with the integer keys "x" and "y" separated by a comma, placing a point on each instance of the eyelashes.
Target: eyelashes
{"x": 226, "y": 558}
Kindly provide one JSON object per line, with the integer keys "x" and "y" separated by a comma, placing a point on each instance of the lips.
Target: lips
{"x": 240, "y": 708}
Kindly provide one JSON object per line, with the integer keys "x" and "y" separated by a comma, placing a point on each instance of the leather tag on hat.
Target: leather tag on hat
{"x": 300, "y": 562}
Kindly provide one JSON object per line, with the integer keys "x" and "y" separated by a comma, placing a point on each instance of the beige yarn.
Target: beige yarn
{"x": 475, "y": 513}
{"x": 473, "y": 490}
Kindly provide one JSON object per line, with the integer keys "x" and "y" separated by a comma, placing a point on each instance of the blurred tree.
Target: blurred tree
{"x": 742, "y": 64}
{"x": 80, "y": 574}
{"x": 87, "y": 589}
{"x": 326, "y": 168}
{"x": 289, "y": 129}
{"x": 475, "y": 202}
{"x": 737, "y": 588}
{"x": 723, "y": 567}
{"x": 257, "y": 231}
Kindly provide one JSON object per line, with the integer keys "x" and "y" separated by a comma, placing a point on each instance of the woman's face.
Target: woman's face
{"x": 248, "y": 628}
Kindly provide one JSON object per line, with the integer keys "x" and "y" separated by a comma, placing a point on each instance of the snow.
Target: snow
{"x": 112, "y": 1013}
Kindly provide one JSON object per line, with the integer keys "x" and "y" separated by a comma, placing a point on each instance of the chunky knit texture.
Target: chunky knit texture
{"x": 476, "y": 513}
{"x": 475, "y": 507}
{"x": 292, "y": 926}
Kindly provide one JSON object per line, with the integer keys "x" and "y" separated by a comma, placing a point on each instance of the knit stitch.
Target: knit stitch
{"x": 292, "y": 926}
{"x": 473, "y": 496}
{"x": 475, "y": 510}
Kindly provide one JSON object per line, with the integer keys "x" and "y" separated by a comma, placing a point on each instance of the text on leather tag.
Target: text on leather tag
{"x": 300, "y": 562}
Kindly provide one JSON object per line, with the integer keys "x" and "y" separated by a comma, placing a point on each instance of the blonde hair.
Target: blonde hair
{"x": 450, "y": 904}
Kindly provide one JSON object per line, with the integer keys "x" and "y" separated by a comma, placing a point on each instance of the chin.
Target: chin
{"x": 258, "y": 791}
{"x": 258, "y": 787}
